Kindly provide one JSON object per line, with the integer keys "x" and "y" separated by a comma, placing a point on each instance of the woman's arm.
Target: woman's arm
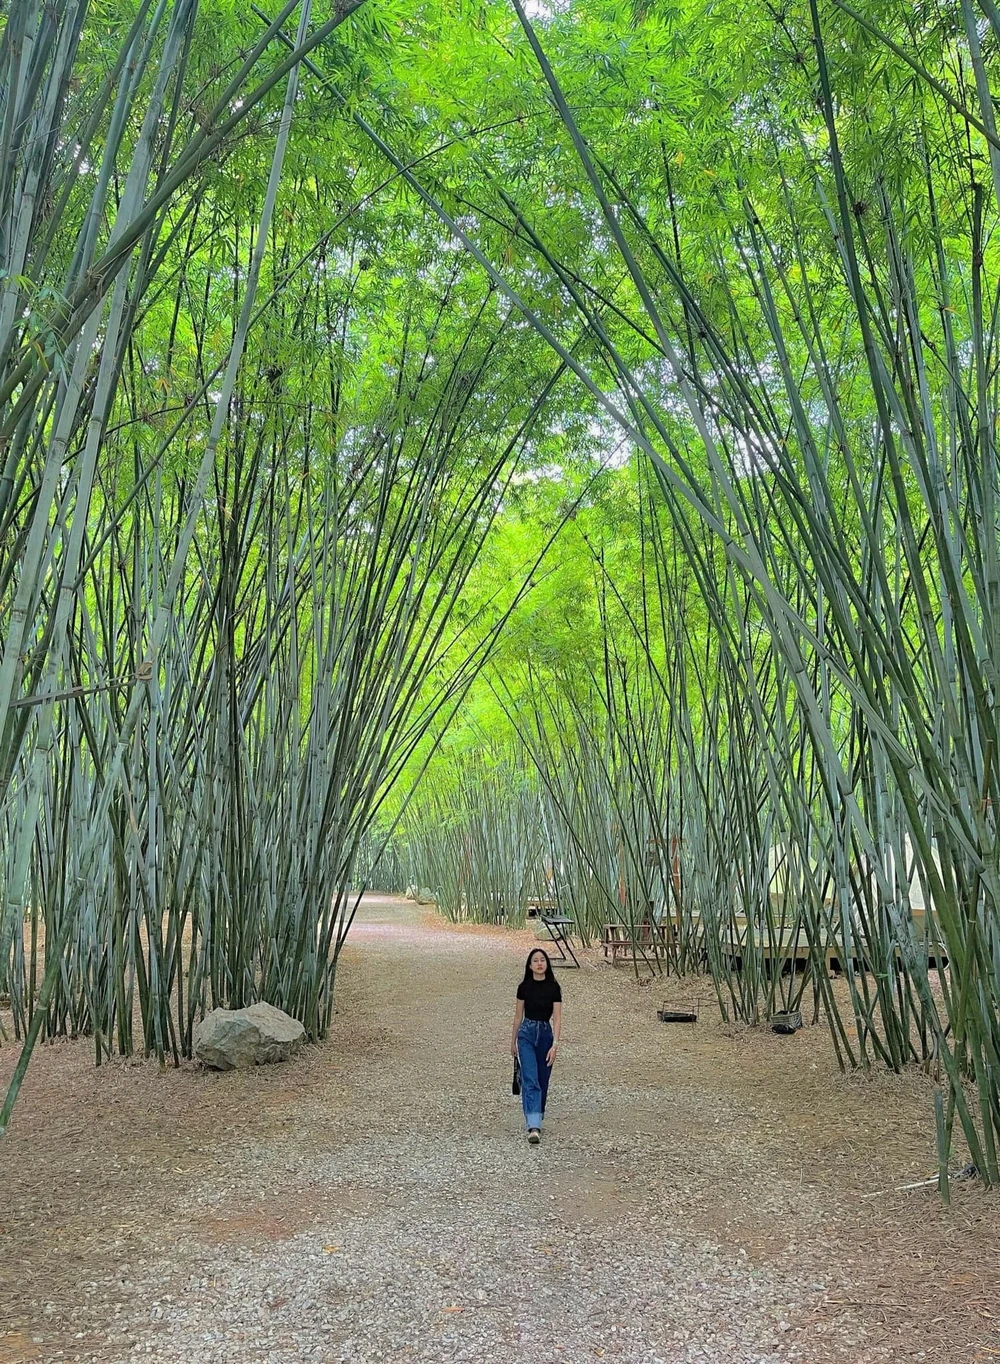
{"x": 518, "y": 1015}
{"x": 556, "y": 1028}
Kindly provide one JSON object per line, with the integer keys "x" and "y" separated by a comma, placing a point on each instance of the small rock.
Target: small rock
{"x": 232, "y": 1039}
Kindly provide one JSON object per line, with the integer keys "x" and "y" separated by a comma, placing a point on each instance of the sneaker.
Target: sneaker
{"x": 534, "y": 1136}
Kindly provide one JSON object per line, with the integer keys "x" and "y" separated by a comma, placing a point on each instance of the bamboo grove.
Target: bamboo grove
{"x": 803, "y": 708}
{"x": 335, "y": 338}
{"x": 236, "y": 521}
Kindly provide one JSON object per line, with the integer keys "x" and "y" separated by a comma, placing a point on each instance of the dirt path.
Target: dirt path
{"x": 701, "y": 1196}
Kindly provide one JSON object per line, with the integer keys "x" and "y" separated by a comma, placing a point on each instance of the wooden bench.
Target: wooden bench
{"x": 536, "y": 906}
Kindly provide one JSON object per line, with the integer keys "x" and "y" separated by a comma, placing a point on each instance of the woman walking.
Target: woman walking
{"x": 535, "y": 1037}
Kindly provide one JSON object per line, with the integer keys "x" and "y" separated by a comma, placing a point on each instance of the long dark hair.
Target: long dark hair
{"x": 529, "y": 974}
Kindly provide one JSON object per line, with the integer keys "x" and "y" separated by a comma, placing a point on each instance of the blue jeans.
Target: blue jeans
{"x": 533, "y": 1042}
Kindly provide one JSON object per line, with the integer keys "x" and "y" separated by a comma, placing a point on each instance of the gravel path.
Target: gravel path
{"x": 376, "y": 1202}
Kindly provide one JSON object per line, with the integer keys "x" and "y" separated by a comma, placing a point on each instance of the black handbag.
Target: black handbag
{"x": 515, "y": 1084}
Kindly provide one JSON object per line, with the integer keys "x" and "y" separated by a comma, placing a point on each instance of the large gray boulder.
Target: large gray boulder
{"x": 233, "y": 1039}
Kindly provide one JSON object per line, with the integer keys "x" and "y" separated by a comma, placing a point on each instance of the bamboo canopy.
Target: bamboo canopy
{"x": 542, "y": 452}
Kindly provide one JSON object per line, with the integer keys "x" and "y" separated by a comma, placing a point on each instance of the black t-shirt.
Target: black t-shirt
{"x": 539, "y": 997}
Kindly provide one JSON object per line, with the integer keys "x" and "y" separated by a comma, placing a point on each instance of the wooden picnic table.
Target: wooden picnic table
{"x": 620, "y": 940}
